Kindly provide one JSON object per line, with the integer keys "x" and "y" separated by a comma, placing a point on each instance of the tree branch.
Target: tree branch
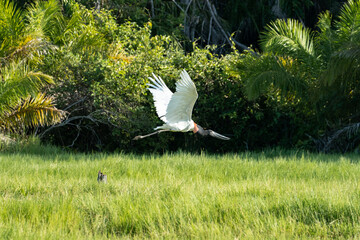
{"x": 178, "y": 6}
{"x": 68, "y": 121}
{"x": 225, "y": 34}
{"x": 152, "y": 8}
{"x": 186, "y": 15}
{"x": 81, "y": 100}
{"x": 210, "y": 28}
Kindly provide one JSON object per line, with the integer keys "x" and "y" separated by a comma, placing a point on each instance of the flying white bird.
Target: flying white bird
{"x": 175, "y": 109}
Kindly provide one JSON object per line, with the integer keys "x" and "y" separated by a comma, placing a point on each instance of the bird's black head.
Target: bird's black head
{"x": 201, "y": 131}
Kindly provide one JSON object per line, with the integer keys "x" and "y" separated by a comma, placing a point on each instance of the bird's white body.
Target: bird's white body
{"x": 174, "y": 109}
{"x": 183, "y": 126}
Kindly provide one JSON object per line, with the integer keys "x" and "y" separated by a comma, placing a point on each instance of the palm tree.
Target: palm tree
{"x": 289, "y": 62}
{"x": 343, "y": 43}
{"x": 297, "y": 60}
{"x": 25, "y": 38}
{"x": 318, "y": 70}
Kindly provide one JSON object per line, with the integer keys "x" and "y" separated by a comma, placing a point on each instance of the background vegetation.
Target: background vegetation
{"x": 281, "y": 73}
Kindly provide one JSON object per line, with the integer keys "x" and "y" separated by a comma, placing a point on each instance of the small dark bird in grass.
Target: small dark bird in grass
{"x": 101, "y": 177}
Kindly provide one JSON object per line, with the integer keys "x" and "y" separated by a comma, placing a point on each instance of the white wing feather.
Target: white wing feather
{"x": 161, "y": 94}
{"x": 181, "y": 104}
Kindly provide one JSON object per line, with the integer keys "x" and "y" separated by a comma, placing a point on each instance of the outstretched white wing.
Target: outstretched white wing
{"x": 182, "y": 101}
{"x": 161, "y": 94}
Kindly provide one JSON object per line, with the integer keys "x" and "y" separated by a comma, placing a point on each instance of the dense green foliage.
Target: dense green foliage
{"x": 245, "y": 18}
{"x": 49, "y": 194}
{"x": 101, "y": 68}
{"x": 316, "y": 73}
{"x": 299, "y": 91}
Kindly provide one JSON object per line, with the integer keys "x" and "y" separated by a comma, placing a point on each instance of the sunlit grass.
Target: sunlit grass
{"x": 247, "y": 195}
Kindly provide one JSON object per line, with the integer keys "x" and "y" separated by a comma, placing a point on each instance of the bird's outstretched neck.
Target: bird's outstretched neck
{"x": 196, "y": 129}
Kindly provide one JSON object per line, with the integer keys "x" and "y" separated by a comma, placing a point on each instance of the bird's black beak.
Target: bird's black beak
{"x": 218, "y": 136}
{"x": 211, "y": 133}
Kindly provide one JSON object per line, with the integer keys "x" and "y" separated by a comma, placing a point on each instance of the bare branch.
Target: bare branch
{"x": 81, "y": 100}
{"x": 178, "y": 6}
{"x": 77, "y": 136}
{"x": 225, "y": 34}
{"x": 188, "y": 6}
{"x": 210, "y": 27}
{"x": 186, "y": 15}
{"x": 98, "y": 5}
{"x": 152, "y": 8}
{"x": 67, "y": 121}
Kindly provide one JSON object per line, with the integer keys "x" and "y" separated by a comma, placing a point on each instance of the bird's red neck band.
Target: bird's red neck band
{"x": 195, "y": 128}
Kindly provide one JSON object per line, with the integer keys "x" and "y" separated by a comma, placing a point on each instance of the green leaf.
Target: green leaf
{"x": 288, "y": 37}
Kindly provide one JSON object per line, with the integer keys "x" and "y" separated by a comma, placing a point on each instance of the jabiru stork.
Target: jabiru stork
{"x": 175, "y": 109}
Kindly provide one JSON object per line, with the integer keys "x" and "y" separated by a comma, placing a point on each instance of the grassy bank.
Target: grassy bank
{"x": 248, "y": 195}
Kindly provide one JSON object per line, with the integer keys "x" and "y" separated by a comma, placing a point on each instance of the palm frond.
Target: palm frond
{"x": 17, "y": 82}
{"x": 44, "y": 18}
{"x": 271, "y": 72}
{"x": 29, "y": 49}
{"x": 80, "y": 32}
{"x": 32, "y": 112}
{"x": 11, "y": 25}
{"x": 288, "y": 37}
{"x": 348, "y": 24}
{"x": 339, "y": 140}
{"x": 31, "y": 37}
{"x": 11, "y": 19}
{"x": 325, "y": 38}
{"x": 344, "y": 64}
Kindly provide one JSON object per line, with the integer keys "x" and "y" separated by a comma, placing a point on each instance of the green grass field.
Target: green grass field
{"x": 271, "y": 195}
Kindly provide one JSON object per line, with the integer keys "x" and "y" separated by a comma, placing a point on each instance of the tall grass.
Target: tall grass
{"x": 46, "y": 195}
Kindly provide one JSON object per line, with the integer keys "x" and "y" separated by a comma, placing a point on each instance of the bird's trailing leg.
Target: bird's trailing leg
{"x": 150, "y": 134}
